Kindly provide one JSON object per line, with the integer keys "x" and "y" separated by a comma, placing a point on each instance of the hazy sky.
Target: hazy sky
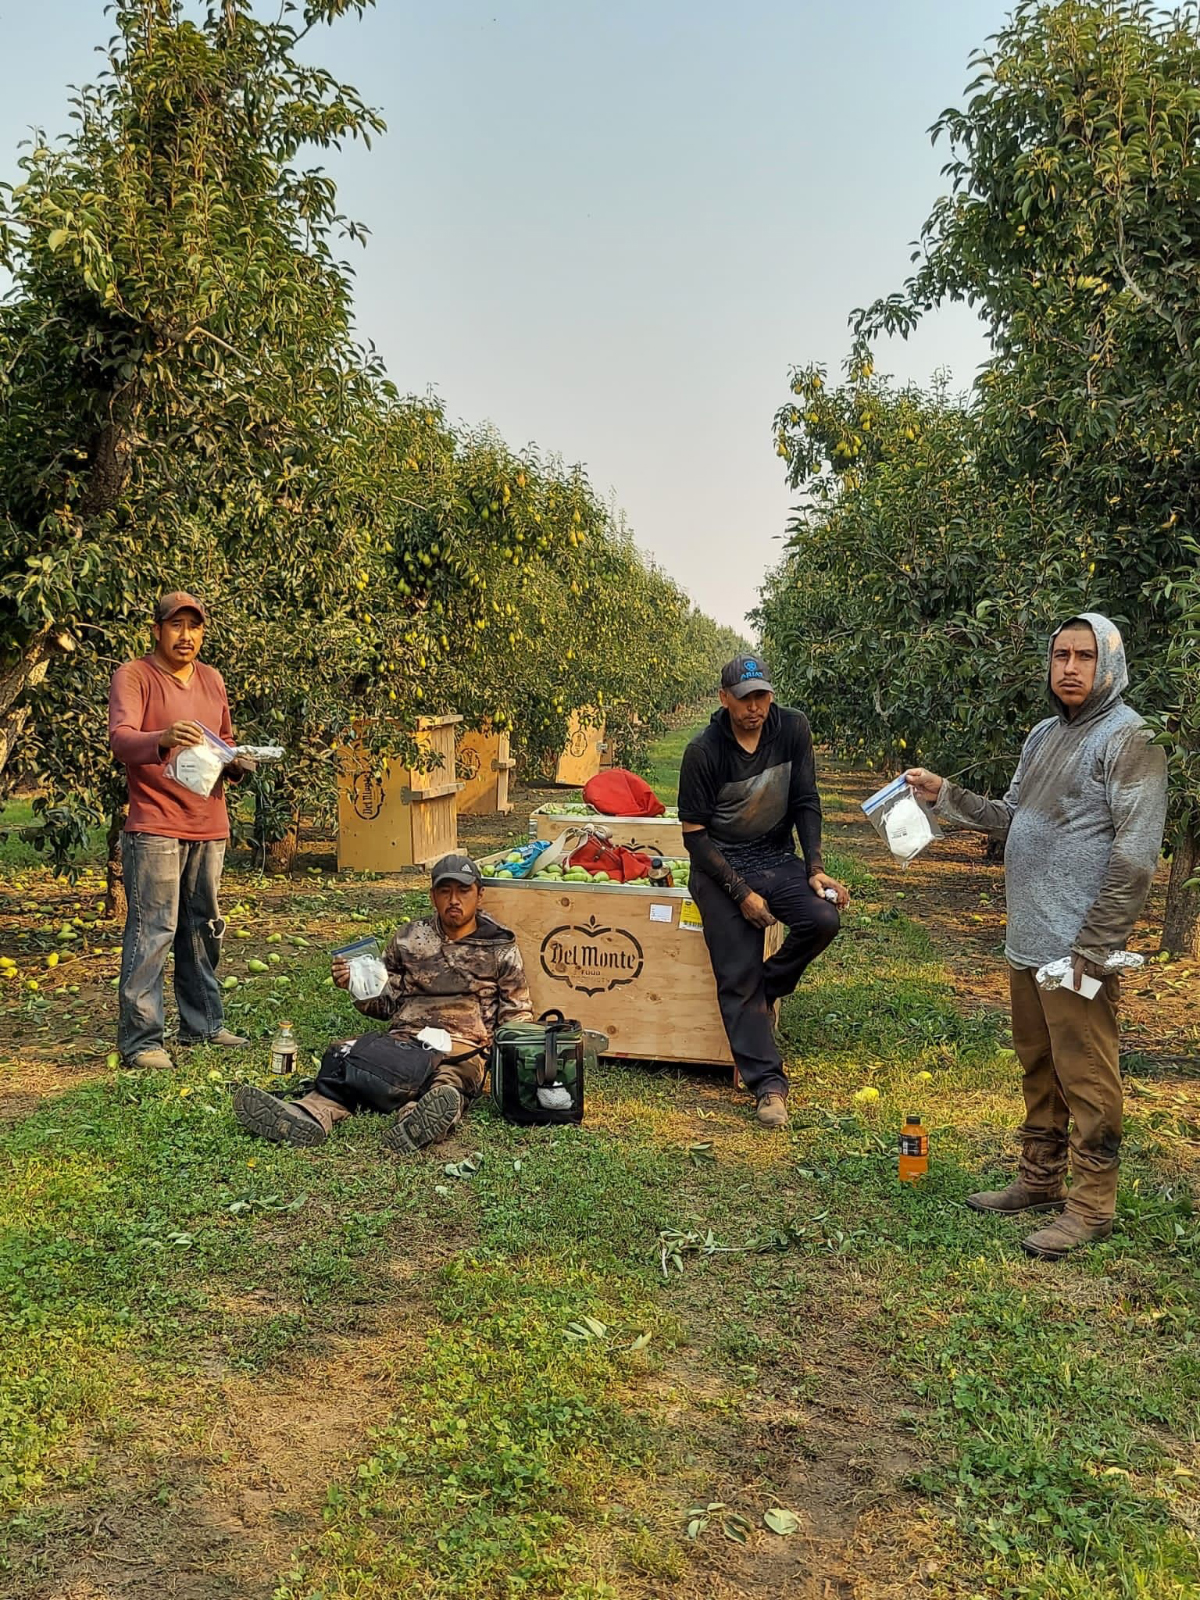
{"x": 609, "y": 226}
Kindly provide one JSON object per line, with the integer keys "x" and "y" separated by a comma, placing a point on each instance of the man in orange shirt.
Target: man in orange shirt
{"x": 173, "y": 846}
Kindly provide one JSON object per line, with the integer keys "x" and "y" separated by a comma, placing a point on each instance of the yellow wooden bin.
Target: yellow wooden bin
{"x": 627, "y": 961}
{"x": 483, "y": 765}
{"x": 584, "y": 754}
{"x": 403, "y": 817}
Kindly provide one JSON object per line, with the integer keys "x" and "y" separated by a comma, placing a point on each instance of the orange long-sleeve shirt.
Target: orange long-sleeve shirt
{"x": 143, "y": 702}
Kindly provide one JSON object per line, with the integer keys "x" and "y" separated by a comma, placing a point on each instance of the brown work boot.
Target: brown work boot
{"x": 281, "y": 1121}
{"x": 431, "y": 1119}
{"x": 150, "y": 1061}
{"x": 1019, "y": 1196}
{"x": 1068, "y": 1232}
{"x": 771, "y": 1111}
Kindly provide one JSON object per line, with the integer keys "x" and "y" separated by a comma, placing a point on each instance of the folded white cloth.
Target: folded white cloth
{"x": 554, "y": 1096}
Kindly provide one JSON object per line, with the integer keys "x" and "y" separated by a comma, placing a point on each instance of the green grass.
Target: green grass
{"x": 661, "y": 767}
{"x": 1040, "y": 1422}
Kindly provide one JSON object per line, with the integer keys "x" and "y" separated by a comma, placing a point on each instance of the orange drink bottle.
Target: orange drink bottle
{"x": 914, "y": 1150}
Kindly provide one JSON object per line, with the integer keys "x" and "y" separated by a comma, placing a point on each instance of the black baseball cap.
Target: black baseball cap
{"x": 456, "y": 869}
{"x": 746, "y": 675}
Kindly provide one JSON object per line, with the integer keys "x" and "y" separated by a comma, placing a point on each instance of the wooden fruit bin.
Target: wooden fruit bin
{"x": 403, "y": 817}
{"x": 583, "y": 755}
{"x": 661, "y": 835}
{"x": 630, "y": 962}
{"x": 482, "y": 766}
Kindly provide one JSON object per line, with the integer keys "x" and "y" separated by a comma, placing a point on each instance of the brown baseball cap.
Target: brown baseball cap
{"x": 167, "y": 605}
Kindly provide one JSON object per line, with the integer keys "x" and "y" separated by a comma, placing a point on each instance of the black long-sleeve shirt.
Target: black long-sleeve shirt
{"x": 749, "y": 803}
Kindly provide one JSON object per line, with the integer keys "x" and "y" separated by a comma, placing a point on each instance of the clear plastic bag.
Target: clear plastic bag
{"x": 368, "y": 975}
{"x": 902, "y": 820}
{"x": 198, "y": 767}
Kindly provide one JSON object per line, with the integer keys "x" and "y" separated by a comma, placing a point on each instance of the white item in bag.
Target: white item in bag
{"x": 368, "y": 975}
{"x": 903, "y": 821}
{"x": 198, "y": 767}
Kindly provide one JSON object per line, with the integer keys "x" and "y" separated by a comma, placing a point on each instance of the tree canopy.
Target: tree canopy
{"x": 1068, "y": 481}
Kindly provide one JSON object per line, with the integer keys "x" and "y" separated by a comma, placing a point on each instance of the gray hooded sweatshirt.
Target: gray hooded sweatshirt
{"x": 1082, "y": 820}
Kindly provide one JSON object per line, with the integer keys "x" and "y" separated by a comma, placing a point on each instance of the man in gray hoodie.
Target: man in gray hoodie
{"x": 1082, "y": 825}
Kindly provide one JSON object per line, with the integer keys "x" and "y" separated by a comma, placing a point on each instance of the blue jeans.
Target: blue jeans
{"x": 171, "y": 886}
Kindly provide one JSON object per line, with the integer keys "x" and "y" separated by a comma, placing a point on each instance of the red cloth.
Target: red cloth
{"x": 143, "y": 701}
{"x": 620, "y": 793}
{"x": 621, "y": 864}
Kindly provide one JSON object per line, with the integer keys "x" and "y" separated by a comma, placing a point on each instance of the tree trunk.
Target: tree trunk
{"x": 26, "y": 672}
{"x": 115, "y": 903}
{"x": 1181, "y": 925}
{"x": 280, "y": 855}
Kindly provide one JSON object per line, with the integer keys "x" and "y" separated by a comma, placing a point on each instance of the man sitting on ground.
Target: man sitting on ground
{"x": 457, "y": 971}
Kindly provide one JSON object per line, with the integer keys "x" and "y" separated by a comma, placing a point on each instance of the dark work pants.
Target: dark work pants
{"x": 747, "y": 987}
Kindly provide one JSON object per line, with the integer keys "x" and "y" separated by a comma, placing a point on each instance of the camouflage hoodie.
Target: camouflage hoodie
{"x": 1082, "y": 819}
{"x": 466, "y": 986}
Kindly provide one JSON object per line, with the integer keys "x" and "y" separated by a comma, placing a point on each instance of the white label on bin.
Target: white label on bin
{"x": 660, "y": 913}
{"x": 689, "y": 915}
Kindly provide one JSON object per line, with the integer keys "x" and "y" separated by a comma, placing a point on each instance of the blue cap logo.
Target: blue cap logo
{"x": 750, "y": 669}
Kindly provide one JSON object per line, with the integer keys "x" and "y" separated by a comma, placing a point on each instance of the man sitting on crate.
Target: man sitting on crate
{"x": 458, "y": 971}
{"x": 747, "y": 782}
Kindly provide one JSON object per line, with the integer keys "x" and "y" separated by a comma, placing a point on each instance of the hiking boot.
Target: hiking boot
{"x": 426, "y": 1121}
{"x": 1068, "y": 1232}
{"x": 150, "y": 1061}
{"x": 231, "y": 1041}
{"x": 1019, "y": 1196}
{"x": 771, "y": 1111}
{"x": 278, "y": 1120}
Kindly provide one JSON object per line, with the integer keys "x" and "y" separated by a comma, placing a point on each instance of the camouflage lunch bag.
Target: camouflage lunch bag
{"x": 538, "y": 1069}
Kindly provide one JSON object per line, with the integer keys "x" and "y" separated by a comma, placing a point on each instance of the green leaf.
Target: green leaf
{"x": 781, "y": 1522}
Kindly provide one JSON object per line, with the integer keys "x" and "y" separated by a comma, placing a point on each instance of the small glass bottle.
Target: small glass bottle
{"x": 914, "y": 1150}
{"x": 284, "y": 1049}
{"x": 660, "y": 874}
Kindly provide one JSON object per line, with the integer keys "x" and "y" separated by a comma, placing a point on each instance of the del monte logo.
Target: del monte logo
{"x": 590, "y": 958}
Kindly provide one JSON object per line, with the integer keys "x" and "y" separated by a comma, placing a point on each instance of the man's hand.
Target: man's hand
{"x": 340, "y": 968}
{"x": 927, "y": 785}
{"x": 1082, "y": 967}
{"x": 186, "y": 733}
{"x": 242, "y": 766}
{"x": 756, "y": 911}
{"x": 820, "y": 881}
